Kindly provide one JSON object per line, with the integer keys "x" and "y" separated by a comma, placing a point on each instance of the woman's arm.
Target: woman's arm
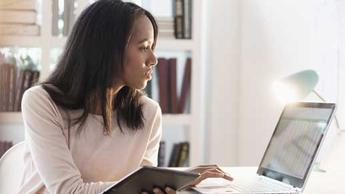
{"x": 151, "y": 153}
{"x": 48, "y": 146}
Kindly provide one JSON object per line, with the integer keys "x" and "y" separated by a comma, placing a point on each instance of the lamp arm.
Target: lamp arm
{"x": 335, "y": 115}
{"x": 318, "y": 95}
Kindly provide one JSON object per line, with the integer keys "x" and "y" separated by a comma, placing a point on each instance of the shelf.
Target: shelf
{"x": 168, "y": 119}
{"x": 58, "y": 42}
{"x": 21, "y": 41}
{"x": 31, "y": 41}
{"x": 175, "y": 44}
{"x": 11, "y": 117}
{"x": 176, "y": 119}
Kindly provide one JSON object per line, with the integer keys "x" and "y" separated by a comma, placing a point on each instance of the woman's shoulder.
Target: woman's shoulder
{"x": 36, "y": 92}
{"x": 150, "y": 105}
{"x": 37, "y": 98}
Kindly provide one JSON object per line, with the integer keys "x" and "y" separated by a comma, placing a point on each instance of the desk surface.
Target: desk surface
{"x": 331, "y": 182}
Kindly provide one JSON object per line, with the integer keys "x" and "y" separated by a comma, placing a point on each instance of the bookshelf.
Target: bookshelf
{"x": 191, "y": 122}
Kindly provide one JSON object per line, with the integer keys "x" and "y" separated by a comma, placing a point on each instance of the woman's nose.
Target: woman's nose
{"x": 153, "y": 60}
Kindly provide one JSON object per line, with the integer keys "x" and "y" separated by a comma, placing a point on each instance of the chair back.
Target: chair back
{"x": 12, "y": 168}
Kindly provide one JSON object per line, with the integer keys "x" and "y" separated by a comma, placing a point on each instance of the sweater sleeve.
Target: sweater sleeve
{"x": 51, "y": 156}
{"x": 151, "y": 153}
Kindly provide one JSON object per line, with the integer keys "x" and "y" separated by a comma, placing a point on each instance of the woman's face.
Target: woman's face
{"x": 139, "y": 57}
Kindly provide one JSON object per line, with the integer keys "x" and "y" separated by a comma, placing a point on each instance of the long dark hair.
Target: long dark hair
{"x": 91, "y": 62}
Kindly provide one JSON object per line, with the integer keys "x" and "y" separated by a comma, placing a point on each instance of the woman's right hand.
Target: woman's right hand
{"x": 206, "y": 171}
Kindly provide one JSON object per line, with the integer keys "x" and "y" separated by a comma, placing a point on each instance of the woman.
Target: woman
{"x": 88, "y": 124}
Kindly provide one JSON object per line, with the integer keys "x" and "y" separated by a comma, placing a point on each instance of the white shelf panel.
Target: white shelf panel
{"x": 176, "y": 119}
{"x": 11, "y": 117}
{"x": 32, "y": 41}
{"x": 175, "y": 44}
{"x": 21, "y": 41}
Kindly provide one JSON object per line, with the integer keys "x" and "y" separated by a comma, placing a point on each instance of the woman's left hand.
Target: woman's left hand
{"x": 167, "y": 190}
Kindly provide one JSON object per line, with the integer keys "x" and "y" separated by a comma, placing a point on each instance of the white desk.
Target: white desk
{"x": 318, "y": 182}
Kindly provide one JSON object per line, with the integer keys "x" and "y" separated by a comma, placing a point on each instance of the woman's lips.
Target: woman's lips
{"x": 148, "y": 74}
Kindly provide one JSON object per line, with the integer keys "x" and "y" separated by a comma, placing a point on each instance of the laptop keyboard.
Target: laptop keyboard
{"x": 259, "y": 185}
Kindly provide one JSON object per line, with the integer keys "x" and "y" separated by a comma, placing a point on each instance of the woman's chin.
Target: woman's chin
{"x": 140, "y": 86}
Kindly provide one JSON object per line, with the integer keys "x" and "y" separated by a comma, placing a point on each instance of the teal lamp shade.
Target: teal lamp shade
{"x": 296, "y": 86}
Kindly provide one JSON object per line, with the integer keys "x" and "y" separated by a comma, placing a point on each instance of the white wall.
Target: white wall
{"x": 252, "y": 44}
{"x": 280, "y": 37}
{"x": 222, "y": 74}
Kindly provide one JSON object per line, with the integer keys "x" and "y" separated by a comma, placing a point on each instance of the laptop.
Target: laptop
{"x": 289, "y": 156}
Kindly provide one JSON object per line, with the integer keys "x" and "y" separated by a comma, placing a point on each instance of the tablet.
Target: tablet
{"x": 146, "y": 178}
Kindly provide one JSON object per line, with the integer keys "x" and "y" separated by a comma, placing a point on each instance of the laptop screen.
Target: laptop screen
{"x": 295, "y": 142}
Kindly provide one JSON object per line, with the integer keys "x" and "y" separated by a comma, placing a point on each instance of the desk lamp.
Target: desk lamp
{"x": 297, "y": 86}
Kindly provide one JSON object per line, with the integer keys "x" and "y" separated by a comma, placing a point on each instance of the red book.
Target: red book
{"x": 186, "y": 82}
{"x": 35, "y": 78}
{"x": 163, "y": 83}
{"x": 19, "y": 86}
{"x": 173, "y": 104}
{"x": 12, "y": 87}
{"x": 178, "y": 19}
{"x": 25, "y": 77}
{"x": 3, "y": 87}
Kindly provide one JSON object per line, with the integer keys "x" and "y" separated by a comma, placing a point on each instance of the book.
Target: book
{"x": 146, "y": 178}
{"x": 179, "y": 155}
{"x": 178, "y": 19}
{"x": 20, "y": 29}
{"x": 18, "y": 16}
{"x": 183, "y": 158}
{"x": 163, "y": 84}
{"x": 23, "y": 83}
{"x": 173, "y": 161}
{"x": 12, "y": 83}
{"x": 173, "y": 104}
{"x": 185, "y": 88}
{"x": 5, "y": 86}
{"x": 187, "y": 19}
{"x": 161, "y": 154}
{"x": 19, "y": 88}
{"x": 27, "y": 80}
{"x": 18, "y": 4}
{"x": 2, "y": 86}
{"x": 35, "y": 78}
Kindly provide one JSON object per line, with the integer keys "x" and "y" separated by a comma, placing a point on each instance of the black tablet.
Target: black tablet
{"x": 146, "y": 178}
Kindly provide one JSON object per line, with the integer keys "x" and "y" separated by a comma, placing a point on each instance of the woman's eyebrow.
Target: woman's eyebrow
{"x": 144, "y": 40}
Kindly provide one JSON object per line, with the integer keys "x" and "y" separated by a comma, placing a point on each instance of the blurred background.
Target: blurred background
{"x": 218, "y": 60}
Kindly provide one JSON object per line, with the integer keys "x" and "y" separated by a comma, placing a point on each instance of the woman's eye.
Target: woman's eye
{"x": 145, "y": 48}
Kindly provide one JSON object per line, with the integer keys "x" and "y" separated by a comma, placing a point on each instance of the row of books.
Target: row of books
{"x": 66, "y": 15}
{"x": 183, "y": 19}
{"x": 19, "y": 17}
{"x": 174, "y": 17}
{"x": 169, "y": 100}
{"x": 13, "y": 82}
{"x": 4, "y": 146}
{"x": 179, "y": 156}
{"x": 166, "y": 27}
